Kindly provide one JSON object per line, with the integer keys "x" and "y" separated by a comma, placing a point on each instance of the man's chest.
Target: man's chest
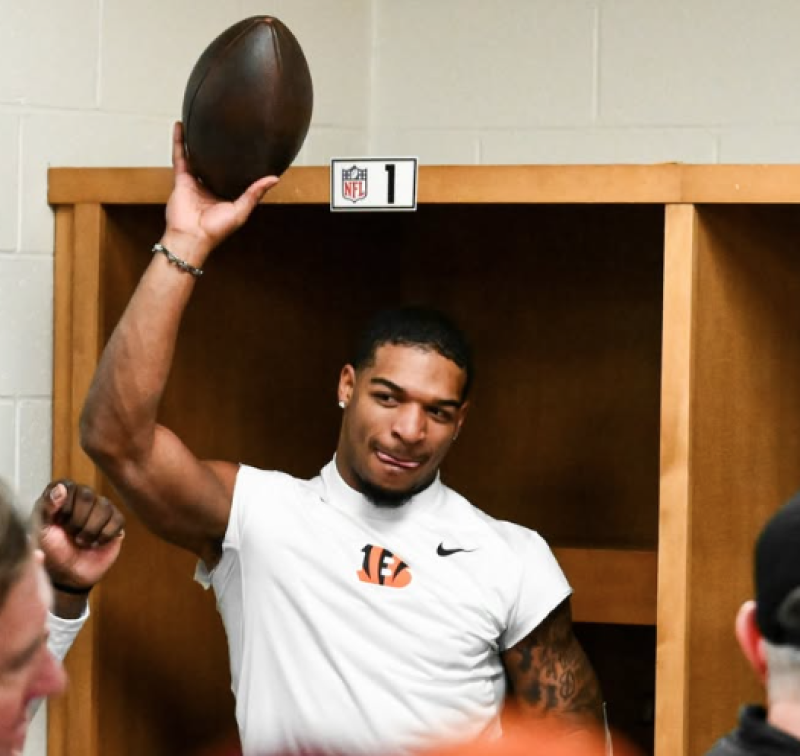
{"x": 430, "y": 586}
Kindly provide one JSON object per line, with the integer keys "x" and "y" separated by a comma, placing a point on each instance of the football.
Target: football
{"x": 247, "y": 106}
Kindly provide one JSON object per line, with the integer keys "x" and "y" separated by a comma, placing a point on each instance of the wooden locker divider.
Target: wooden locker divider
{"x": 77, "y": 345}
{"x": 674, "y": 505}
{"x": 745, "y": 435}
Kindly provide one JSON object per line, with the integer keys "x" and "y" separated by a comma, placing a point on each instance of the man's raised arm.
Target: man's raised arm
{"x": 180, "y": 498}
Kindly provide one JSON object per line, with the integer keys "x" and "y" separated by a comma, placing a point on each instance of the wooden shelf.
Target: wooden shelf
{"x": 611, "y": 586}
{"x": 621, "y": 184}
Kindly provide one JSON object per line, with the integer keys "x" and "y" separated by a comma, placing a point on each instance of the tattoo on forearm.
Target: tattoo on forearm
{"x": 549, "y": 671}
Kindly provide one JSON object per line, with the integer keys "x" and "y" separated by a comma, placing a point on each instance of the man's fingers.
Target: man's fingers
{"x": 58, "y": 497}
{"x": 54, "y": 498}
{"x": 88, "y": 516}
{"x": 247, "y": 202}
{"x": 114, "y": 528}
{"x": 94, "y": 520}
{"x": 98, "y": 518}
{"x": 88, "y": 519}
{"x": 178, "y": 154}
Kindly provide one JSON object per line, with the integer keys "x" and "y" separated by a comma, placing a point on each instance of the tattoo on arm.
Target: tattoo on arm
{"x": 549, "y": 672}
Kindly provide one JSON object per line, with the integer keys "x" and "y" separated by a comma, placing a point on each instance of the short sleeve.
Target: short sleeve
{"x": 230, "y": 544}
{"x": 541, "y": 585}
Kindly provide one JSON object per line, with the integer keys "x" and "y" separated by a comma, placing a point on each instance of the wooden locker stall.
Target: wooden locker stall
{"x": 633, "y": 403}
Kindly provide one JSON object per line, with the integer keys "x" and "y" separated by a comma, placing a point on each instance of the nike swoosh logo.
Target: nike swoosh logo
{"x": 442, "y": 551}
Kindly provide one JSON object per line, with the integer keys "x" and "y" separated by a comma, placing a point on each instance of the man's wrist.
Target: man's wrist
{"x": 188, "y": 248}
{"x": 69, "y": 605}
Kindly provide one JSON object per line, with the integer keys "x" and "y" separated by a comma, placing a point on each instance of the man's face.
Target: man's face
{"x": 27, "y": 669}
{"x": 402, "y": 415}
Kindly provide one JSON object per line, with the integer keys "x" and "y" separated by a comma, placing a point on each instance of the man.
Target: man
{"x": 371, "y": 608}
{"x": 768, "y": 631}
{"x": 80, "y": 536}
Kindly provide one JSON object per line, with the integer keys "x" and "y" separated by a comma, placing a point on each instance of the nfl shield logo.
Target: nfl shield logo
{"x": 354, "y": 183}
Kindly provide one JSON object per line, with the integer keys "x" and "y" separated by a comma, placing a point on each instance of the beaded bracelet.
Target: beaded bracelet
{"x": 176, "y": 261}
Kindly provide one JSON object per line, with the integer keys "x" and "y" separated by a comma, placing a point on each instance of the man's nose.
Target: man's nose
{"x": 410, "y": 423}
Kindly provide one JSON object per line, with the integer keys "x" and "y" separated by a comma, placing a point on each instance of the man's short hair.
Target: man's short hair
{"x": 783, "y": 680}
{"x": 414, "y": 326}
{"x": 777, "y": 576}
{"x": 15, "y": 547}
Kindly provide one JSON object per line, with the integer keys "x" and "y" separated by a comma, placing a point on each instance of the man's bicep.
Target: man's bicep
{"x": 549, "y": 673}
{"x": 180, "y": 498}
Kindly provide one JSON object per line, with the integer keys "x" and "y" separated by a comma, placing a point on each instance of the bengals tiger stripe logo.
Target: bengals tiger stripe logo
{"x": 381, "y": 567}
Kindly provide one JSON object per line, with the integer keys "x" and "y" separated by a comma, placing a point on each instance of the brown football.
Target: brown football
{"x": 247, "y": 106}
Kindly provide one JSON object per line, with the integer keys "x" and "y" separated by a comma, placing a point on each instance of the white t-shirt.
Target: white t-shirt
{"x": 356, "y": 628}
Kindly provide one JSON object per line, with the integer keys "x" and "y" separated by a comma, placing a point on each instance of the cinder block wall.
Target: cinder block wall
{"x": 587, "y": 81}
{"x": 99, "y": 82}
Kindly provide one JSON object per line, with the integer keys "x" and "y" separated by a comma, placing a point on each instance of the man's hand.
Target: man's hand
{"x": 80, "y": 535}
{"x": 197, "y": 221}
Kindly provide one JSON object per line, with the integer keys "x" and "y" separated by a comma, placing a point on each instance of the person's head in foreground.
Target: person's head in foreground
{"x": 27, "y": 668}
{"x": 768, "y": 628}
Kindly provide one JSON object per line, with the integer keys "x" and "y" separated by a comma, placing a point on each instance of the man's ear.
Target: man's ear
{"x": 462, "y": 416}
{"x": 751, "y": 640}
{"x": 347, "y": 384}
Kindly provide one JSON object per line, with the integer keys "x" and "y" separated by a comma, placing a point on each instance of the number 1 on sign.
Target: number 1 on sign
{"x": 390, "y": 183}
{"x": 374, "y": 183}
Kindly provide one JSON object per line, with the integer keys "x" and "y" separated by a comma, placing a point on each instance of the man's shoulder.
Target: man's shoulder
{"x": 257, "y": 481}
{"x": 730, "y": 745}
{"x": 507, "y": 534}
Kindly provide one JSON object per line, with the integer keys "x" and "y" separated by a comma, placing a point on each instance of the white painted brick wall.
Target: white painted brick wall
{"x": 599, "y": 145}
{"x": 455, "y": 64}
{"x": 8, "y": 432}
{"x": 9, "y": 181}
{"x": 587, "y": 81}
{"x": 98, "y": 82}
{"x": 49, "y": 53}
{"x": 26, "y": 313}
{"x": 697, "y": 63}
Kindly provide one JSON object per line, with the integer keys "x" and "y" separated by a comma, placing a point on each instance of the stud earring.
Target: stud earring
{"x": 342, "y": 404}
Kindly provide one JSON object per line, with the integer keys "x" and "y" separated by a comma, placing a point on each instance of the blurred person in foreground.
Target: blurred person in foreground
{"x": 549, "y": 736}
{"x": 47, "y": 569}
{"x": 768, "y": 631}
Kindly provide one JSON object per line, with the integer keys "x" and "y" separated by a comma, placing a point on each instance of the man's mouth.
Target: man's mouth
{"x": 391, "y": 459}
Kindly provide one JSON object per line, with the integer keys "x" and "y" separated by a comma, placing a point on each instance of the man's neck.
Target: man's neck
{"x": 785, "y": 715}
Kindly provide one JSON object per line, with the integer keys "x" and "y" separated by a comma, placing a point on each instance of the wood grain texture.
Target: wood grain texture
{"x": 73, "y": 718}
{"x": 745, "y": 437}
{"x": 62, "y": 339}
{"x": 486, "y": 184}
{"x": 672, "y": 659}
{"x": 611, "y": 586}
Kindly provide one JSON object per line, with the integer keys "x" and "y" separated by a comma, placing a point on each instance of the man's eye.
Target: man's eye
{"x": 439, "y": 413}
{"x": 385, "y": 398}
